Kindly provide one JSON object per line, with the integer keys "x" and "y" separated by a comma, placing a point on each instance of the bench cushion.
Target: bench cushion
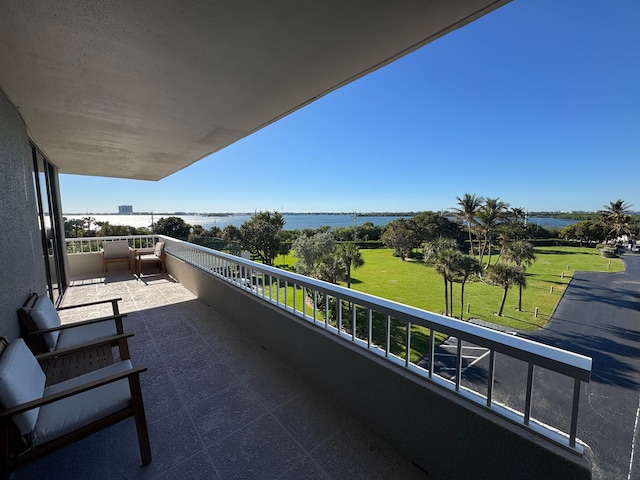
{"x": 21, "y": 380}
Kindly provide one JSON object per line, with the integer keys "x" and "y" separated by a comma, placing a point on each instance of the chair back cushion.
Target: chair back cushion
{"x": 116, "y": 249}
{"x": 21, "y": 380}
{"x": 45, "y": 315}
{"x": 159, "y": 249}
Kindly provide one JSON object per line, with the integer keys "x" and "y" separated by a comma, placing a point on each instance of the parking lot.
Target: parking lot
{"x": 446, "y": 354}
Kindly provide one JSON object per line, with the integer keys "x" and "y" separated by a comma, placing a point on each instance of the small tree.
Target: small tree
{"x": 616, "y": 217}
{"x": 231, "y": 233}
{"x": 73, "y": 227}
{"x": 108, "y": 230}
{"x": 349, "y": 255}
{"x": 87, "y": 224}
{"x": 260, "y": 235}
{"x": 400, "y": 236}
{"x": 521, "y": 254}
{"x": 214, "y": 232}
{"x": 469, "y": 206}
{"x": 466, "y": 266}
{"x": 316, "y": 259}
{"x": 174, "y": 227}
{"x": 310, "y": 250}
{"x": 197, "y": 231}
{"x": 430, "y": 225}
{"x": 506, "y": 275}
{"x": 442, "y": 254}
{"x": 490, "y": 214}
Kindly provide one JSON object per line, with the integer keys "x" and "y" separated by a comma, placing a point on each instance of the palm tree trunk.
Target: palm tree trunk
{"x": 462, "y": 301}
{"x": 464, "y": 280}
{"x": 471, "y": 242}
{"x": 349, "y": 275}
{"x": 446, "y": 296}
{"x": 489, "y": 257}
{"x": 519, "y": 298}
{"x": 481, "y": 252}
{"x": 450, "y": 297}
{"x": 504, "y": 298}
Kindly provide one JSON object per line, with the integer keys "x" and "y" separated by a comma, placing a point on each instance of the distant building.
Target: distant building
{"x": 125, "y": 209}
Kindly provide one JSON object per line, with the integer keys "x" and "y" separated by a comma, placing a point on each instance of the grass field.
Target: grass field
{"x": 414, "y": 283}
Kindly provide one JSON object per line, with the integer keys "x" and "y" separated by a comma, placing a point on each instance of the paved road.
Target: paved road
{"x": 598, "y": 316}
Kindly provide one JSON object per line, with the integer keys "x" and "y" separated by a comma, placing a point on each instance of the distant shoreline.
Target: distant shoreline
{"x": 293, "y": 221}
{"x": 575, "y": 215}
{"x": 216, "y": 214}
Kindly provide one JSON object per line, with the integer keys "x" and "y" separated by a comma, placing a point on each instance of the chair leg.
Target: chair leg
{"x": 141, "y": 421}
{"x": 123, "y": 347}
{"x": 4, "y": 449}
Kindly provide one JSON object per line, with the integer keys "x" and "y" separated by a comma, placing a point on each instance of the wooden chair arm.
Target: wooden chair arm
{"x": 10, "y": 412}
{"x": 88, "y": 304}
{"x": 66, "y": 326}
{"x": 83, "y": 347}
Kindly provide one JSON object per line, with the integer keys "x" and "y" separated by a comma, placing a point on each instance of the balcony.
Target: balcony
{"x": 250, "y": 377}
{"x": 218, "y": 405}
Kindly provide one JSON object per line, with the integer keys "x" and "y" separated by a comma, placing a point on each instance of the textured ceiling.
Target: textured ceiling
{"x": 143, "y": 88}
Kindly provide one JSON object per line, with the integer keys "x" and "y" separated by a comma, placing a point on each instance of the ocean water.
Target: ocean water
{"x": 292, "y": 221}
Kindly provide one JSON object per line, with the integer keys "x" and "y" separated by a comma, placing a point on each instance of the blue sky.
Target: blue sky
{"x": 537, "y": 103}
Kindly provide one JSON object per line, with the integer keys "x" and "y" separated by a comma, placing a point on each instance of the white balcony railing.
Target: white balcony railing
{"x": 324, "y": 305}
{"x": 87, "y": 245}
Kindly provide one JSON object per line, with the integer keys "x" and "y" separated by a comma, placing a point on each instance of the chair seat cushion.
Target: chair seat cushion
{"x": 72, "y": 337}
{"x": 150, "y": 258}
{"x": 21, "y": 380}
{"x": 45, "y": 315}
{"x": 72, "y": 413}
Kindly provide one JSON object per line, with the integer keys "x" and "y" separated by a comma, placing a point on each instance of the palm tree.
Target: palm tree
{"x": 518, "y": 213}
{"x": 349, "y": 255}
{"x": 616, "y": 217}
{"x": 441, "y": 253}
{"x": 469, "y": 205}
{"x": 506, "y": 275}
{"x": 489, "y": 215}
{"x": 466, "y": 266}
{"x": 521, "y": 254}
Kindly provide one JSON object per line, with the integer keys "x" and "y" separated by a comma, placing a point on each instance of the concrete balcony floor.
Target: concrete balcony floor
{"x": 218, "y": 405}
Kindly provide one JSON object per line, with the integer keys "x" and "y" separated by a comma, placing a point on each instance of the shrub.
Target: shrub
{"x": 609, "y": 252}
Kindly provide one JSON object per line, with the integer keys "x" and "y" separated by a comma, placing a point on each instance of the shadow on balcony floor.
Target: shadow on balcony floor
{"x": 218, "y": 405}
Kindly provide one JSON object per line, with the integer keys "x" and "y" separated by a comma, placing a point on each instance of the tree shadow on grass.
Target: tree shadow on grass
{"x": 561, "y": 252}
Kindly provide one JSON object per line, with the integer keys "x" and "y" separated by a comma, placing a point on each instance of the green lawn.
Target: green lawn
{"x": 414, "y": 283}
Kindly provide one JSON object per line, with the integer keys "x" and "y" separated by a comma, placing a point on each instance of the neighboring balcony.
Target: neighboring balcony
{"x": 255, "y": 372}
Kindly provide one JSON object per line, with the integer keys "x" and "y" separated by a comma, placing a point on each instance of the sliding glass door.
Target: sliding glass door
{"x": 49, "y": 217}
